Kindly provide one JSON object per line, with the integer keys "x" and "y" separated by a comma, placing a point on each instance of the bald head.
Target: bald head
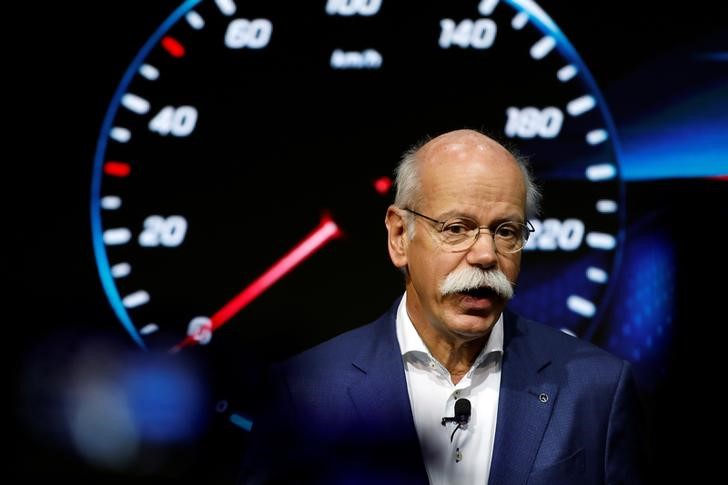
{"x": 462, "y": 143}
{"x": 453, "y": 152}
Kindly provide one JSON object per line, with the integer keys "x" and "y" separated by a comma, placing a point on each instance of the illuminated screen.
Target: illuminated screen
{"x": 210, "y": 194}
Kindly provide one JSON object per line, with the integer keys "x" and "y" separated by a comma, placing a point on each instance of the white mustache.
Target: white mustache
{"x": 471, "y": 278}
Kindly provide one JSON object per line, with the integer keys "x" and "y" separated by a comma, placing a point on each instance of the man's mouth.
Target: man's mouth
{"x": 482, "y": 292}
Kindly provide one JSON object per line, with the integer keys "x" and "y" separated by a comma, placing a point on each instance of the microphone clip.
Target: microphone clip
{"x": 462, "y": 416}
{"x": 460, "y": 420}
{"x": 462, "y": 413}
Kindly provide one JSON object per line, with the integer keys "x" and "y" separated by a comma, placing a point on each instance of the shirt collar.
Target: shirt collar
{"x": 410, "y": 342}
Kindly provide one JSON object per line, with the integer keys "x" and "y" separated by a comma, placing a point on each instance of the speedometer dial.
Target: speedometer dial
{"x": 241, "y": 171}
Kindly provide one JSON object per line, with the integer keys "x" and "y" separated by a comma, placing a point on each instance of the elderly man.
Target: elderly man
{"x": 448, "y": 386}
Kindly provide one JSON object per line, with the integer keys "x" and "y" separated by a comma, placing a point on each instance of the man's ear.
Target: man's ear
{"x": 396, "y": 236}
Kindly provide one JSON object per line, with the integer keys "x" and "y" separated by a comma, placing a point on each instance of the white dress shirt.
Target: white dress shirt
{"x": 465, "y": 460}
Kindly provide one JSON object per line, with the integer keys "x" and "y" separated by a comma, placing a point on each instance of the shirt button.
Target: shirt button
{"x": 432, "y": 364}
{"x": 458, "y": 455}
{"x": 456, "y": 394}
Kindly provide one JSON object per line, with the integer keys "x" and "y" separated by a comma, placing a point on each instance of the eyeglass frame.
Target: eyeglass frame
{"x": 527, "y": 224}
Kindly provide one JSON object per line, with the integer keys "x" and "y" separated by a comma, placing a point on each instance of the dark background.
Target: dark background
{"x": 70, "y": 58}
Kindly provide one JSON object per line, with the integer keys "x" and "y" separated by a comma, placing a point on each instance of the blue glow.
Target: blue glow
{"x": 644, "y": 302}
{"x": 714, "y": 56}
{"x": 102, "y": 259}
{"x": 687, "y": 138}
{"x": 167, "y": 400}
{"x": 241, "y": 421}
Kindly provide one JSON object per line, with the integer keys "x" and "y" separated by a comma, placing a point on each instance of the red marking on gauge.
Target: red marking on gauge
{"x": 326, "y": 231}
{"x": 173, "y": 46}
{"x": 382, "y": 185}
{"x": 117, "y": 169}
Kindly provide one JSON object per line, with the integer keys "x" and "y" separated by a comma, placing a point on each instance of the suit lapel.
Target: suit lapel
{"x": 378, "y": 390}
{"x": 379, "y": 387}
{"x": 524, "y": 407}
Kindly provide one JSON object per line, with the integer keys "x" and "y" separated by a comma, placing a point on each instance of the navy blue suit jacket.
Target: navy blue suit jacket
{"x": 568, "y": 413}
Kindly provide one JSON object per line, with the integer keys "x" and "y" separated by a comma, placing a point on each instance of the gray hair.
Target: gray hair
{"x": 408, "y": 184}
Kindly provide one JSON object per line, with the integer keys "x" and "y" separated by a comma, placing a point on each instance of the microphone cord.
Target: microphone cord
{"x": 453, "y": 432}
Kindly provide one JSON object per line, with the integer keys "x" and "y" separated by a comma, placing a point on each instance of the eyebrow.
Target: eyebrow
{"x": 453, "y": 214}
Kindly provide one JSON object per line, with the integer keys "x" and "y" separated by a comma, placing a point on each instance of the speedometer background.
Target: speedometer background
{"x": 666, "y": 92}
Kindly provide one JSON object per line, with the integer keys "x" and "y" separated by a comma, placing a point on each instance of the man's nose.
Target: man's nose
{"x": 483, "y": 252}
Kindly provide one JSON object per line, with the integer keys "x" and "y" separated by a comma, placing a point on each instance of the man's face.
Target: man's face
{"x": 462, "y": 178}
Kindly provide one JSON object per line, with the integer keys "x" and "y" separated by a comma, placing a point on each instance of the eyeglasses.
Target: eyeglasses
{"x": 460, "y": 233}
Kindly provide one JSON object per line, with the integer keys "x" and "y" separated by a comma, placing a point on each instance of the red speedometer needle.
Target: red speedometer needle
{"x": 326, "y": 231}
